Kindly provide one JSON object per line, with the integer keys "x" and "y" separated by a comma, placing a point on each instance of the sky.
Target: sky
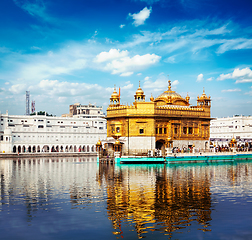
{"x": 76, "y": 51}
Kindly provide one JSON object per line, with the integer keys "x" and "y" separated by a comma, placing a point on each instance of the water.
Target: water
{"x": 76, "y": 198}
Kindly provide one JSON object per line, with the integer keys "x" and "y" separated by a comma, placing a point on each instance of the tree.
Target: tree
{"x": 41, "y": 113}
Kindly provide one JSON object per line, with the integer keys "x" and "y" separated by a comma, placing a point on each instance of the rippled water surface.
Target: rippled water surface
{"x": 76, "y": 198}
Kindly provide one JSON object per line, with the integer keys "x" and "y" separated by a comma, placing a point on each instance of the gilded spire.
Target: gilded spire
{"x": 151, "y": 98}
{"x": 169, "y": 83}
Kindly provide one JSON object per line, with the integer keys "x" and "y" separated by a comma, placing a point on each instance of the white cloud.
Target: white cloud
{"x": 249, "y": 93}
{"x": 243, "y": 80}
{"x": 35, "y": 8}
{"x": 235, "y": 44}
{"x": 35, "y": 48}
{"x": 158, "y": 85}
{"x": 60, "y": 93}
{"x": 139, "y": 74}
{"x": 127, "y": 64}
{"x": 112, "y": 54}
{"x": 146, "y": 78}
{"x": 175, "y": 83}
{"x": 170, "y": 59}
{"x": 122, "y": 26}
{"x": 200, "y": 78}
{"x": 128, "y": 86}
{"x": 210, "y": 79}
{"x": 241, "y": 75}
{"x": 18, "y": 88}
{"x": 139, "y": 18}
{"x": 64, "y": 88}
{"x": 36, "y": 66}
{"x": 224, "y": 76}
{"x": 232, "y": 90}
{"x": 126, "y": 74}
{"x": 192, "y": 39}
{"x": 62, "y": 99}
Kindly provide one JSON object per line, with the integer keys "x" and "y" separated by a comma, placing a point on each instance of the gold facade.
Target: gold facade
{"x": 169, "y": 119}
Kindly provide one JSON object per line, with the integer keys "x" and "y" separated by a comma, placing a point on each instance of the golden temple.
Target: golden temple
{"x": 162, "y": 123}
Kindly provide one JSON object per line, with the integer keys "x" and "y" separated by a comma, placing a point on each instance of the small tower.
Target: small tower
{"x": 27, "y": 107}
{"x": 139, "y": 96}
{"x": 7, "y": 143}
{"x": 203, "y": 100}
{"x": 115, "y": 98}
{"x": 33, "y": 106}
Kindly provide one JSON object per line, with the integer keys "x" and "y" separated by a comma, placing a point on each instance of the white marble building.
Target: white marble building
{"x": 222, "y": 130}
{"x": 40, "y": 133}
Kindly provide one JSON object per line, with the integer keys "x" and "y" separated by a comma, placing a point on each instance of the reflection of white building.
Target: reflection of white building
{"x": 40, "y": 133}
{"x": 222, "y": 130}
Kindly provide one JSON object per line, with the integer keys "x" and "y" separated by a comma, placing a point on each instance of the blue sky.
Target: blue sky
{"x": 65, "y": 52}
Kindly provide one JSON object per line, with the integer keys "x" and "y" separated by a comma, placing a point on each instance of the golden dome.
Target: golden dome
{"x": 117, "y": 142}
{"x": 171, "y": 97}
{"x": 139, "y": 91}
{"x": 114, "y": 94}
{"x": 99, "y": 143}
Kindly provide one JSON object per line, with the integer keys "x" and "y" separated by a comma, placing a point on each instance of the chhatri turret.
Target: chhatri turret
{"x": 139, "y": 96}
{"x": 204, "y": 100}
{"x": 115, "y": 98}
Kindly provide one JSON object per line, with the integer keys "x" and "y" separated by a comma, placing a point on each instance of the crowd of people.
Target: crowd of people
{"x": 238, "y": 148}
{"x": 219, "y": 148}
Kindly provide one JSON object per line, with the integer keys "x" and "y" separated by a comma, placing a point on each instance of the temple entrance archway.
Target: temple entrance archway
{"x": 160, "y": 145}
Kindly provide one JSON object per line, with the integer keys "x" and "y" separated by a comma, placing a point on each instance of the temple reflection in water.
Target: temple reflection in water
{"x": 163, "y": 198}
